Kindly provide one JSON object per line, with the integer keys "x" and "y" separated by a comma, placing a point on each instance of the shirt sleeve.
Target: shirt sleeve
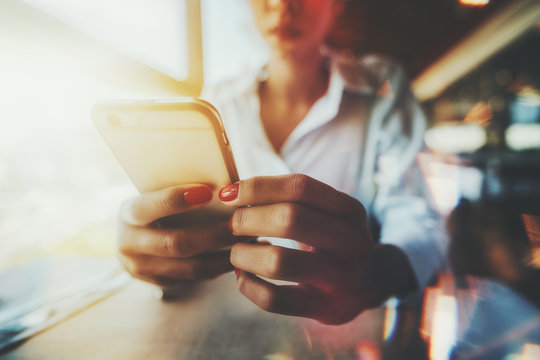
{"x": 400, "y": 202}
{"x": 408, "y": 221}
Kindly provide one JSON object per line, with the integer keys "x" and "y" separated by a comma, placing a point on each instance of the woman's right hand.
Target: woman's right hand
{"x": 154, "y": 246}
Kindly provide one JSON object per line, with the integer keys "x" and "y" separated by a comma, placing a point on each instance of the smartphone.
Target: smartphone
{"x": 167, "y": 142}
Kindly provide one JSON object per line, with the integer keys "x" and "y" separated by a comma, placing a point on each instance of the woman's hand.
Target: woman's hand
{"x": 340, "y": 272}
{"x": 154, "y": 245}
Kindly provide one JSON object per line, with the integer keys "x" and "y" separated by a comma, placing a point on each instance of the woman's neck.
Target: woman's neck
{"x": 292, "y": 87}
{"x": 298, "y": 78}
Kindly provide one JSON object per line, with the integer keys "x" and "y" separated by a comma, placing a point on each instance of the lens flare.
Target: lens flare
{"x": 474, "y": 2}
{"x": 448, "y": 181}
{"x": 479, "y": 114}
{"x": 278, "y": 356}
{"x": 521, "y": 85}
{"x": 521, "y": 137}
{"x": 440, "y": 318}
{"x": 390, "y": 318}
{"x": 530, "y": 352}
{"x": 454, "y": 138}
{"x": 366, "y": 350}
{"x": 308, "y": 338}
{"x": 532, "y": 226}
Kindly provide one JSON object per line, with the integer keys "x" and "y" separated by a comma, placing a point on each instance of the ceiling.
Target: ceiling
{"x": 416, "y": 32}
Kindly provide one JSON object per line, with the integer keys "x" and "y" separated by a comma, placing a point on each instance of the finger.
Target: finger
{"x": 202, "y": 267}
{"x": 303, "y": 224}
{"x": 297, "y": 300}
{"x": 282, "y": 299}
{"x": 292, "y": 188}
{"x": 161, "y": 281}
{"x": 174, "y": 243}
{"x": 279, "y": 263}
{"x": 149, "y": 207}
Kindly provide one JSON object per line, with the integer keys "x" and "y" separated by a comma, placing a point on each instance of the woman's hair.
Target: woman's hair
{"x": 370, "y": 26}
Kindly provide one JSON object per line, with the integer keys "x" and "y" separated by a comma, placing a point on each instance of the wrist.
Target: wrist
{"x": 391, "y": 272}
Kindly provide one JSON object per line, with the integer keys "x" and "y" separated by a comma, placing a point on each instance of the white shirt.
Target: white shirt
{"x": 361, "y": 138}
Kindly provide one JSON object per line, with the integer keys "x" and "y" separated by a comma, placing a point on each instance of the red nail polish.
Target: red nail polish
{"x": 229, "y": 192}
{"x": 197, "y": 195}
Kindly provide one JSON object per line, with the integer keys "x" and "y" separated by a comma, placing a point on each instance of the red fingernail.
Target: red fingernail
{"x": 197, "y": 195}
{"x": 236, "y": 272}
{"x": 229, "y": 192}
{"x": 229, "y": 224}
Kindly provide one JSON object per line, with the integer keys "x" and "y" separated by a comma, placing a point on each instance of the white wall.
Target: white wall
{"x": 231, "y": 42}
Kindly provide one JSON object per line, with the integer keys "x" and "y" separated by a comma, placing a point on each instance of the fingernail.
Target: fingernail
{"x": 236, "y": 272}
{"x": 229, "y": 192}
{"x": 197, "y": 195}
{"x": 229, "y": 224}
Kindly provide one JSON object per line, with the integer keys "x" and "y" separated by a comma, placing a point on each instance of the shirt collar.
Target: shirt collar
{"x": 324, "y": 110}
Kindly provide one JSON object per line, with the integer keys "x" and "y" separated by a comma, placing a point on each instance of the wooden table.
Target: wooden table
{"x": 216, "y": 322}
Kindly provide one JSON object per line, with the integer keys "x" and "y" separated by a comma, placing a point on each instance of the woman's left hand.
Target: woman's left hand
{"x": 335, "y": 273}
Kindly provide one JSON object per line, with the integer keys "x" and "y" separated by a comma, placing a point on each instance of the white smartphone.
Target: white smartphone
{"x": 166, "y": 142}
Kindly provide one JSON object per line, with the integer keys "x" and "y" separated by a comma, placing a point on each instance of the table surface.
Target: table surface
{"x": 215, "y": 322}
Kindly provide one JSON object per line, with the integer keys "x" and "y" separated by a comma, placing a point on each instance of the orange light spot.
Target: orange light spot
{"x": 532, "y": 226}
{"x": 278, "y": 356}
{"x": 329, "y": 355}
{"x": 474, "y": 2}
{"x": 386, "y": 90}
{"x": 535, "y": 258}
{"x": 479, "y": 114}
{"x": 308, "y": 338}
{"x": 521, "y": 85}
{"x": 366, "y": 350}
